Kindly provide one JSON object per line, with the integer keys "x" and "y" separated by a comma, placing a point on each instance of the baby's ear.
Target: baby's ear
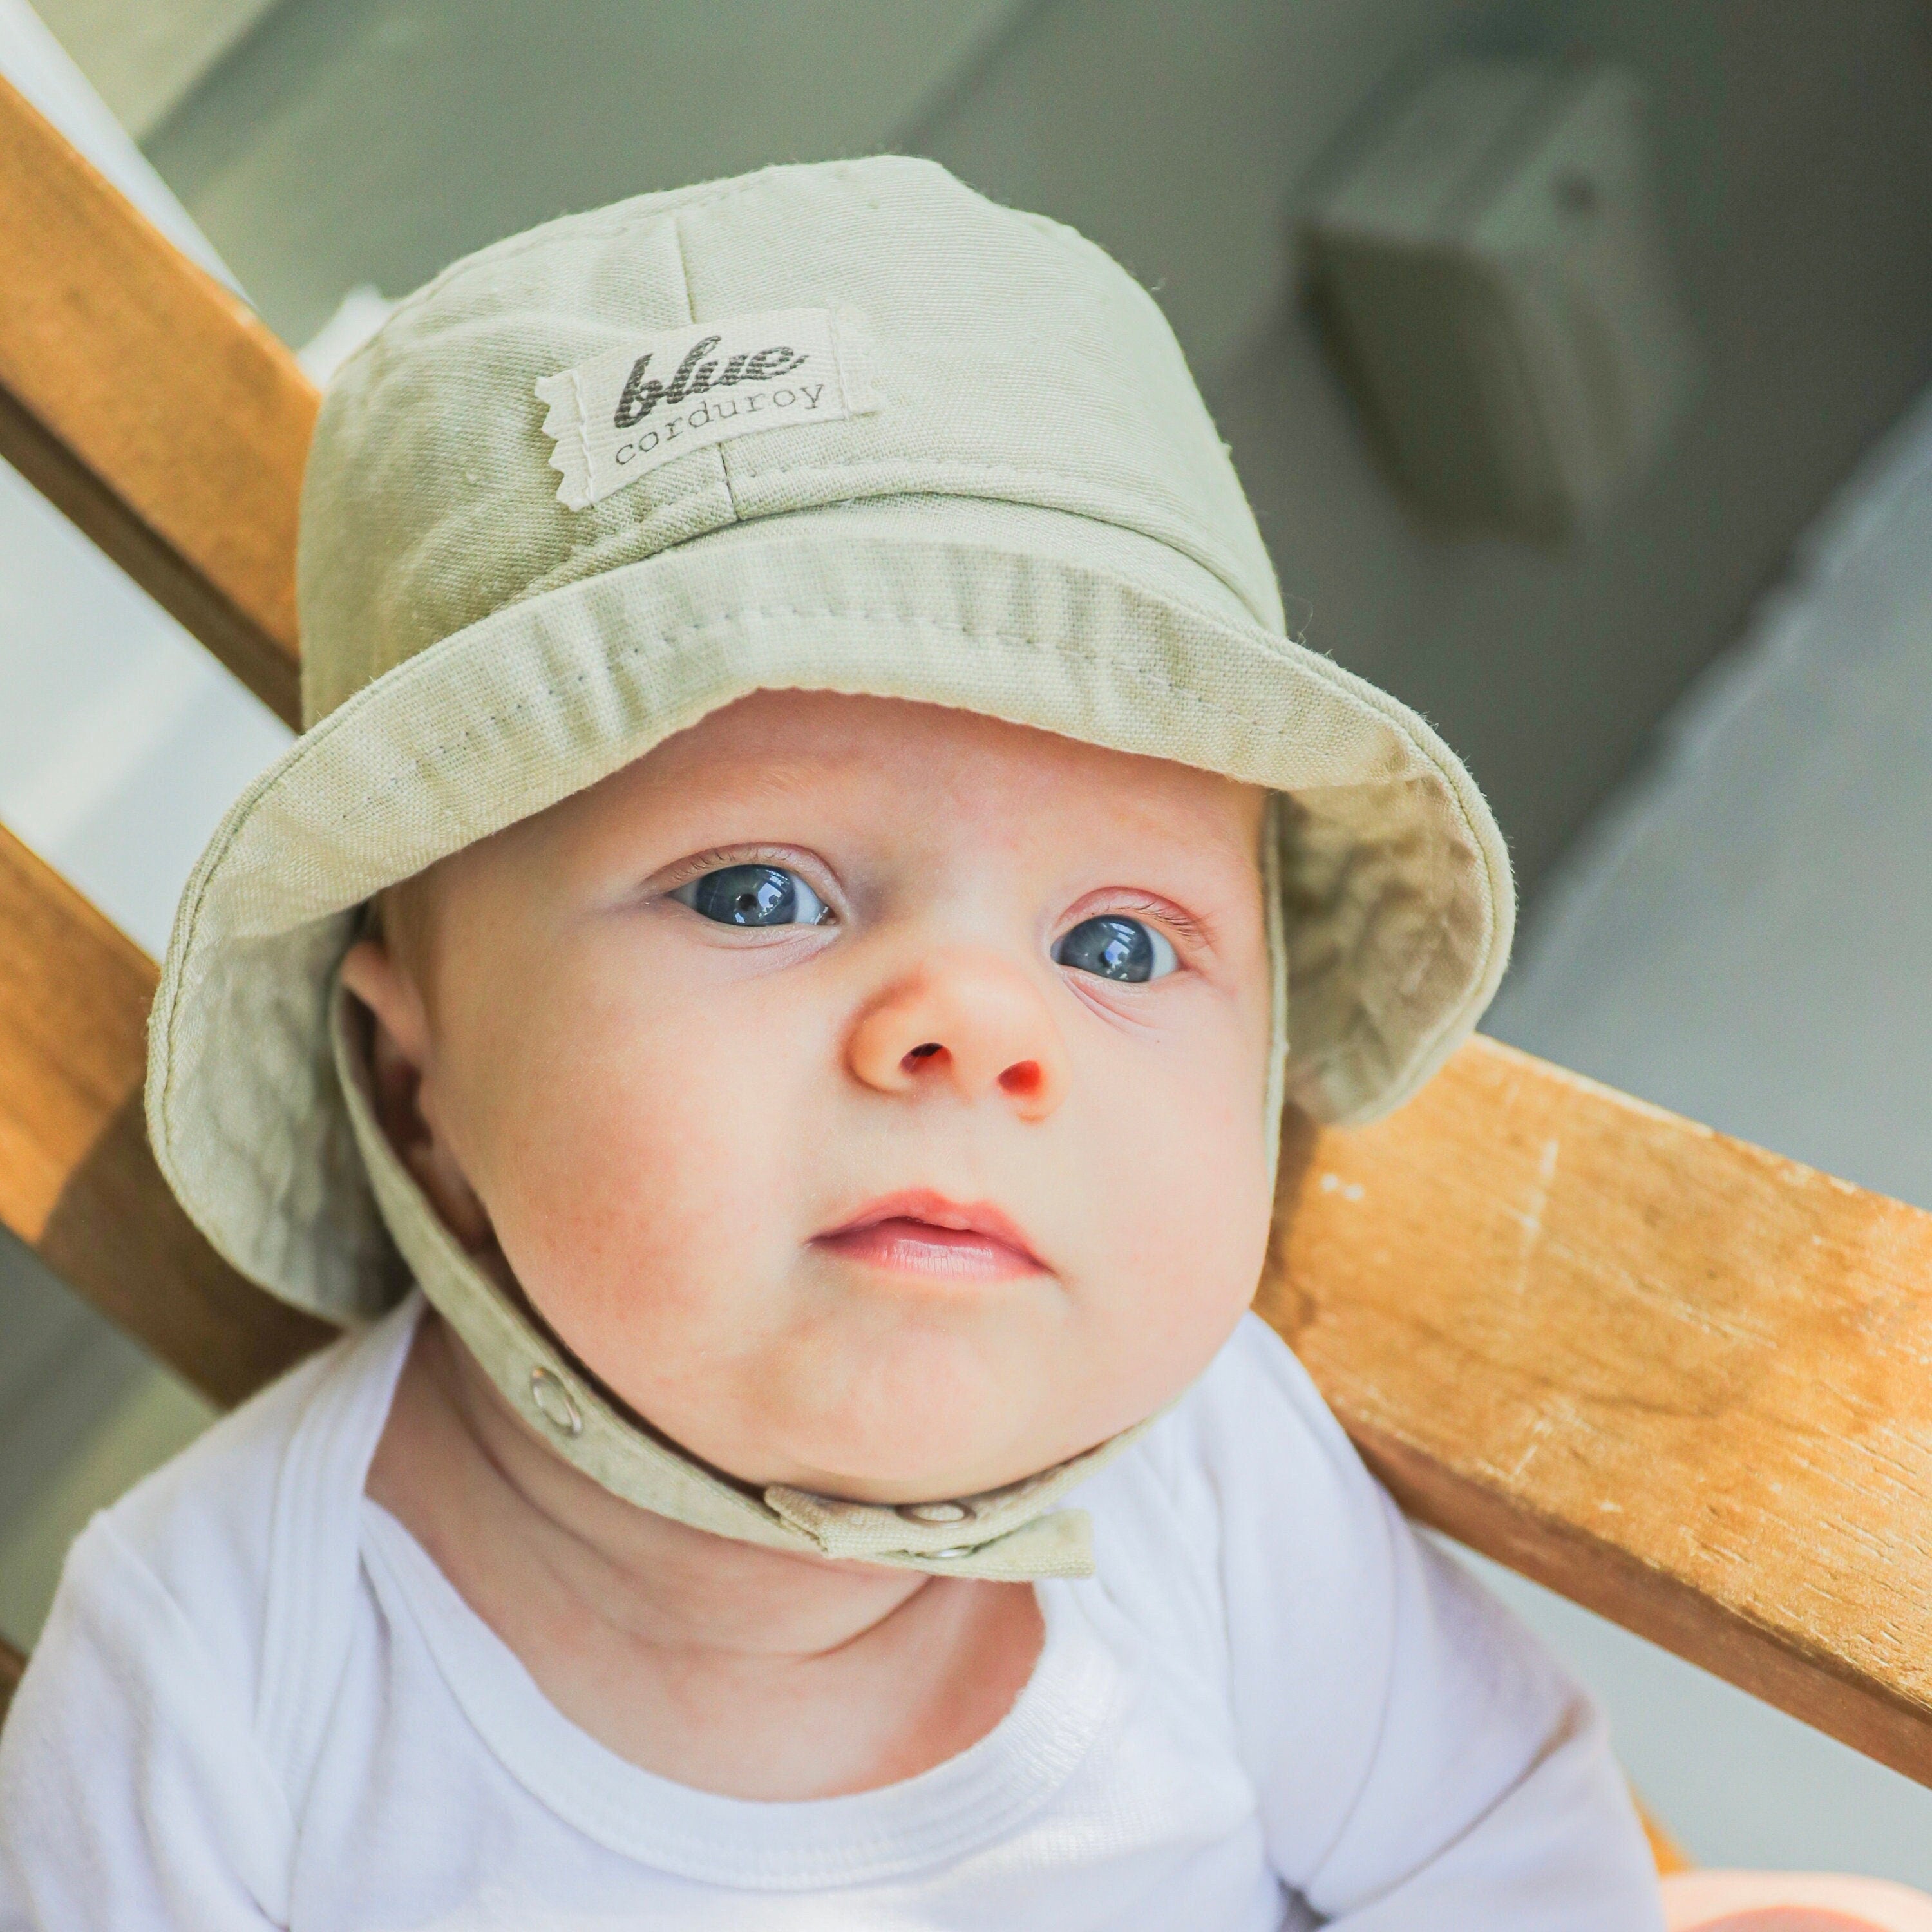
{"x": 398, "y": 1056}
{"x": 389, "y": 989}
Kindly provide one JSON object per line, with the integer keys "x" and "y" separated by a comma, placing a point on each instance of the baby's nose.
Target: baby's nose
{"x": 972, "y": 1024}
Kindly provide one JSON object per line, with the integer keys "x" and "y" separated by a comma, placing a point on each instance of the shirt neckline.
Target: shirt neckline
{"x": 972, "y": 1799}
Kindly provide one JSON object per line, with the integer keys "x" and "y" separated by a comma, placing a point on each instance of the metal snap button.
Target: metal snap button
{"x": 555, "y": 1403}
{"x": 935, "y": 1512}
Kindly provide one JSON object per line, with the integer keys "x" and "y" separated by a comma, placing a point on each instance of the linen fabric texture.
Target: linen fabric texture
{"x": 1032, "y": 518}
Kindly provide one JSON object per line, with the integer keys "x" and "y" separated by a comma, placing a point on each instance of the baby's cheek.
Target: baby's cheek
{"x": 1189, "y": 1206}
{"x": 634, "y": 1216}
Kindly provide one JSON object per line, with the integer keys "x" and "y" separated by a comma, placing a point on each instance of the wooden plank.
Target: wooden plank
{"x": 78, "y": 1184}
{"x": 1676, "y": 1377}
{"x": 150, "y": 405}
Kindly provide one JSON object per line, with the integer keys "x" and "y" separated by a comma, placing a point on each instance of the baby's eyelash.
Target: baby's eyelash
{"x": 785, "y": 857}
{"x": 1160, "y": 910}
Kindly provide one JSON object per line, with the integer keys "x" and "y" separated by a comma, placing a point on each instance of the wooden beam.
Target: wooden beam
{"x": 78, "y": 1184}
{"x": 150, "y": 405}
{"x": 1677, "y": 1378}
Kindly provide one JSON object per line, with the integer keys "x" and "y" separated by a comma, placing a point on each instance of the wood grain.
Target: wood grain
{"x": 1676, "y": 1377}
{"x": 150, "y": 405}
{"x": 78, "y": 1184}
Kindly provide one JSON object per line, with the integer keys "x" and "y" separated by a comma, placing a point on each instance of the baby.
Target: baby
{"x": 764, "y": 999}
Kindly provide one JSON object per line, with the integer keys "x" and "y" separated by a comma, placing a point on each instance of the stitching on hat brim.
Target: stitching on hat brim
{"x": 730, "y": 620}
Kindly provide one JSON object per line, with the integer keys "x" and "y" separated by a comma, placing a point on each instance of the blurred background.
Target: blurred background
{"x": 1571, "y": 352}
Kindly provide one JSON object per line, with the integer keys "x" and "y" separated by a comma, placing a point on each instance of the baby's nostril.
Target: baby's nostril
{"x": 925, "y": 1052}
{"x": 1022, "y": 1077}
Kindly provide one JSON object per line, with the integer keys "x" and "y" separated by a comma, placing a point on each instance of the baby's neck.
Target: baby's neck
{"x": 723, "y": 1665}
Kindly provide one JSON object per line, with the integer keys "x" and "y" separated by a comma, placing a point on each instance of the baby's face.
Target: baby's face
{"x": 870, "y": 1094}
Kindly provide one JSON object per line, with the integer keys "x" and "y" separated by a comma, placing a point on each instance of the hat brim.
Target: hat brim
{"x": 1397, "y": 901}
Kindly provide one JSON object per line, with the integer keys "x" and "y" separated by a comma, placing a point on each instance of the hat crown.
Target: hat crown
{"x": 1012, "y": 360}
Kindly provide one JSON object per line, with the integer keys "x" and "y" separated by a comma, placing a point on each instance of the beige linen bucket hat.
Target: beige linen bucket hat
{"x": 845, "y": 426}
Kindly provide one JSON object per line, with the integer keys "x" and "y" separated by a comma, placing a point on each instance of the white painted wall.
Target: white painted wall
{"x": 145, "y": 56}
{"x": 352, "y": 141}
{"x": 1177, "y": 136}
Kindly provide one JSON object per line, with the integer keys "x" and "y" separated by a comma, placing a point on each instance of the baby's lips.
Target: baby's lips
{"x": 937, "y": 1210}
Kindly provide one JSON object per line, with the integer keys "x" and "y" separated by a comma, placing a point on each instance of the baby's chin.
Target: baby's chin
{"x": 875, "y": 1397}
{"x": 918, "y": 1425}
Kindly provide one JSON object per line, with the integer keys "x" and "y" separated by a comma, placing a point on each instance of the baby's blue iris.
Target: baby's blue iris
{"x": 753, "y": 895}
{"x": 1113, "y": 948}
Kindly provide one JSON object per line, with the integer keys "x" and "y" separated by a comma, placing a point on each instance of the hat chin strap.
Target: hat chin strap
{"x": 1009, "y": 1534}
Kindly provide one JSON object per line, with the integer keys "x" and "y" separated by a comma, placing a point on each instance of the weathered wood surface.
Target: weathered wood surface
{"x": 150, "y": 405}
{"x": 78, "y": 1184}
{"x": 1677, "y": 1378}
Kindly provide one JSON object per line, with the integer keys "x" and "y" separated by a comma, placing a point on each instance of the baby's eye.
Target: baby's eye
{"x": 753, "y": 895}
{"x": 1116, "y": 948}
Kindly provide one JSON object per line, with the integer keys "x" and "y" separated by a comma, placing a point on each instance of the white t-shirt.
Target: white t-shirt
{"x": 258, "y": 1702}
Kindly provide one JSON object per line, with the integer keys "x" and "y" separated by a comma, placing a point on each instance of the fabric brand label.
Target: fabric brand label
{"x": 625, "y": 413}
